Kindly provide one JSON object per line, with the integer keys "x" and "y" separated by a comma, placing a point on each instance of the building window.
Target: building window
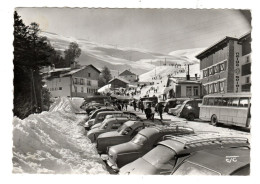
{"x": 211, "y": 71}
{"x": 81, "y": 81}
{"x": 188, "y": 91}
{"x": 248, "y": 59}
{"x": 89, "y": 75}
{"x": 82, "y": 90}
{"x": 89, "y": 83}
{"x": 215, "y": 86}
{"x": 59, "y": 79}
{"x": 216, "y": 68}
{"x": 222, "y": 67}
{"x": 75, "y": 89}
{"x": 195, "y": 91}
{"x": 246, "y": 69}
{"x": 205, "y": 73}
{"x": 60, "y": 88}
{"x": 248, "y": 80}
{"x": 210, "y": 88}
{"x": 205, "y": 89}
{"x": 75, "y": 81}
{"x": 221, "y": 86}
{"x": 246, "y": 87}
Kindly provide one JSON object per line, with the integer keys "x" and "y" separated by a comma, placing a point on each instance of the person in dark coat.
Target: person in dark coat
{"x": 125, "y": 105}
{"x": 142, "y": 106}
{"x": 148, "y": 112}
{"x": 160, "y": 107}
{"x": 119, "y": 107}
{"x": 134, "y": 105}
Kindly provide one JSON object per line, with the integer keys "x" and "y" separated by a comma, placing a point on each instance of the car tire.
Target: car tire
{"x": 214, "y": 120}
{"x": 191, "y": 117}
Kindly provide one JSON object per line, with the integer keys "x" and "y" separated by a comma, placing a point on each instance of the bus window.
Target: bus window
{"x": 211, "y": 101}
{"x": 218, "y": 101}
{"x": 225, "y": 101}
{"x": 243, "y": 102}
{"x": 229, "y": 102}
{"x": 235, "y": 102}
{"x": 205, "y": 101}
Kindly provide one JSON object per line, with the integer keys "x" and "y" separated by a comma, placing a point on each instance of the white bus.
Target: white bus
{"x": 229, "y": 108}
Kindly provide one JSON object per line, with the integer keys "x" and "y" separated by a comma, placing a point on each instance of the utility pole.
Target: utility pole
{"x": 165, "y": 61}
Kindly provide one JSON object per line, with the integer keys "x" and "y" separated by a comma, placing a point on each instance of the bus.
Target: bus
{"x": 229, "y": 108}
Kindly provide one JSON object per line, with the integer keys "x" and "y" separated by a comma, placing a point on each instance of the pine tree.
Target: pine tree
{"x": 31, "y": 53}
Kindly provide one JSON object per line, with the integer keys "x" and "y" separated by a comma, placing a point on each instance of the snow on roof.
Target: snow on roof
{"x": 119, "y": 78}
{"x": 126, "y": 72}
{"x": 104, "y": 89}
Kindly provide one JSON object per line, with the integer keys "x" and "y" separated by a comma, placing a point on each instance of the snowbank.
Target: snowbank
{"x": 53, "y": 142}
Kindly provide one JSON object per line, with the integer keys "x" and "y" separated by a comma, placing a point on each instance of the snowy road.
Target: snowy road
{"x": 199, "y": 125}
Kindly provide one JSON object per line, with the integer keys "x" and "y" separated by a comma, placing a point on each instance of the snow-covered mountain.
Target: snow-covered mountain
{"x": 119, "y": 59}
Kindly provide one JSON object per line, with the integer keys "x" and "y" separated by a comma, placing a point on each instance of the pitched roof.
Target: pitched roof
{"x": 73, "y": 71}
{"x": 126, "y": 72}
{"x": 118, "y": 78}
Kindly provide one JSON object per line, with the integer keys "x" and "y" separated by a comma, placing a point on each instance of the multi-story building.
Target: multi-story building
{"x": 129, "y": 76}
{"x": 73, "y": 82}
{"x": 225, "y": 66}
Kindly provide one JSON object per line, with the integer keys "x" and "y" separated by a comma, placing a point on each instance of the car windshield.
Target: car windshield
{"x": 104, "y": 124}
{"x": 160, "y": 155}
{"x": 120, "y": 129}
{"x": 139, "y": 139}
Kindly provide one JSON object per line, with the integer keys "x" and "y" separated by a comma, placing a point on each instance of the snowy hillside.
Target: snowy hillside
{"x": 54, "y": 143}
{"x": 119, "y": 59}
{"x": 164, "y": 71}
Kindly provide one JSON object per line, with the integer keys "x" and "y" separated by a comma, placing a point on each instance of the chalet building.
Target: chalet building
{"x": 226, "y": 66}
{"x": 118, "y": 82}
{"x": 183, "y": 87}
{"x": 129, "y": 76}
{"x": 81, "y": 81}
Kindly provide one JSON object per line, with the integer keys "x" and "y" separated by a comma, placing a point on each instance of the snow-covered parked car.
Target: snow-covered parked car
{"x": 197, "y": 154}
{"x": 143, "y": 142}
{"x": 123, "y": 134}
{"x": 109, "y": 124}
{"x": 100, "y": 117}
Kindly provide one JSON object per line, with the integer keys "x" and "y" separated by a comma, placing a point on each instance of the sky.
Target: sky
{"x": 157, "y": 30}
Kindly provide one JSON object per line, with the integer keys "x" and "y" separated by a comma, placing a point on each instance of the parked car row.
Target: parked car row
{"x": 131, "y": 145}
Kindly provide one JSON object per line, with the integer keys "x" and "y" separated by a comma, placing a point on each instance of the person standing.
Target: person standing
{"x": 152, "y": 113}
{"x": 125, "y": 105}
{"x": 148, "y": 112}
{"x": 119, "y": 106}
{"x": 134, "y": 105}
{"x": 160, "y": 107}
{"x": 142, "y": 106}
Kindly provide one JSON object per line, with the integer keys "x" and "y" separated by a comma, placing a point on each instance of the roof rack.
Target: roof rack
{"x": 163, "y": 128}
{"x": 198, "y": 140}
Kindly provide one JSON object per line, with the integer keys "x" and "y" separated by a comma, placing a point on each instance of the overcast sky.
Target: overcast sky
{"x": 158, "y": 30}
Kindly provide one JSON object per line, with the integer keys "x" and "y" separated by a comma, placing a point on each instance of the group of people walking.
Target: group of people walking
{"x": 150, "y": 110}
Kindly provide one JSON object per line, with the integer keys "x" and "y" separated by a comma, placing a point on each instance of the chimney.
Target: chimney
{"x": 188, "y": 74}
{"x": 196, "y": 76}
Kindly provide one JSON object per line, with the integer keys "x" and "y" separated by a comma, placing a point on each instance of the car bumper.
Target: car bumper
{"x": 112, "y": 165}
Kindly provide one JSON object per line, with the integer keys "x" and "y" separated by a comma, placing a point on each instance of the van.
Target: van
{"x": 173, "y": 102}
{"x": 190, "y": 109}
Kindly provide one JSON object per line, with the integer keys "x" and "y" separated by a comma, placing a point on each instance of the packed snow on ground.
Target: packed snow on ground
{"x": 53, "y": 142}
